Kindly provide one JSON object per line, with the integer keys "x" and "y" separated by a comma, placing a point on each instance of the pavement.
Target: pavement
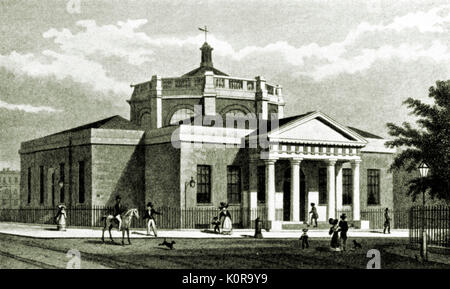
{"x": 50, "y": 232}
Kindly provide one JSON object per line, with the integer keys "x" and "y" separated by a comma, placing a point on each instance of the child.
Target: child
{"x": 304, "y": 239}
{"x": 314, "y": 214}
{"x": 216, "y": 224}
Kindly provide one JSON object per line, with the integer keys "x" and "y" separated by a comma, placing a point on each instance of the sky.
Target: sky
{"x": 64, "y": 63}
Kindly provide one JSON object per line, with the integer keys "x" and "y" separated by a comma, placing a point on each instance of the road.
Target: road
{"x": 247, "y": 253}
{"x": 26, "y": 253}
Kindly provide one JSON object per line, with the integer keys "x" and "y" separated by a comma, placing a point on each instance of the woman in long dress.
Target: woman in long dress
{"x": 61, "y": 218}
{"x": 334, "y": 231}
{"x": 225, "y": 219}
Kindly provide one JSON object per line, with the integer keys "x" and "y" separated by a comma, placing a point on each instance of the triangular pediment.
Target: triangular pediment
{"x": 315, "y": 127}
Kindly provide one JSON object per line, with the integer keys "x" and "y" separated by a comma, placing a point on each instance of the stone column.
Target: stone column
{"x": 261, "y": 98}
{"x": 156, "y": 102}
{"x": 209, "y": 94}
{"x": 331, "y": 182}
{"x": 270, "y": 189}
{"x": 339, "y": 187}
{"x": 295, "y": 190}
{"x": 356, "y": 200}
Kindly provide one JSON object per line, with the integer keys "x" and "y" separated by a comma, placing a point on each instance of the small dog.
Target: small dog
{"x": 167, "y": 244}
{"x": 356, "y": 245}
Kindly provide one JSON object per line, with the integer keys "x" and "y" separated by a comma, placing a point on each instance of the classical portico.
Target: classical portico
{"x": 312, "y": 141}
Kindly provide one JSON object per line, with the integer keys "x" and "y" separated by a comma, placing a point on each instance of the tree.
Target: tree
{"x": 429, "y": 142}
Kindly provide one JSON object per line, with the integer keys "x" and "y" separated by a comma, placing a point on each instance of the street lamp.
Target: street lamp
{"x": 191, "y": 183}
{"x": 423, "y": 169}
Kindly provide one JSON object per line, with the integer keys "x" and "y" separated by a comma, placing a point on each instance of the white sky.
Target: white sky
{"x": 354, "y": 60}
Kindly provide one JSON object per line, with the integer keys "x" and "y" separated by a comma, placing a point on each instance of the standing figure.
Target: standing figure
{"x": 334, "y": 231}
{"x": 387, "y": 221}
{"x": 150, "y": 213}
{"x": 118, "y": 210}
{"x": 343, "y": 227}
{"x": 225, "y": 218}
{"x": 314, "y": 214}
{"x": 304, "y": 239}
{"x": 61, "y": 217}
{"x": 216, "y": 224}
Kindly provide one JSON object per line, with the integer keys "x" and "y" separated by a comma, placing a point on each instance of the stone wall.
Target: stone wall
{"x": 218, "y": 156}
{"x": 118, "y": 170}
{"x": 51, "y": 160}
{"x": 382, "y": 162}
{"x": 162, "y": 175}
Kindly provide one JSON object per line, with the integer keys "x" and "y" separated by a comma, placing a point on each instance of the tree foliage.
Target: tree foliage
{"x": 428, "y": 142}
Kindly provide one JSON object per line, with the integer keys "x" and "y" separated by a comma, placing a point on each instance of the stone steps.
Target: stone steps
{"x": 301, "y": 225}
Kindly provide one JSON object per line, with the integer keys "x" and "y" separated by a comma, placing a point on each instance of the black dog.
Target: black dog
{"x": 167, "y": 244}
{"x": 356, "y": 245}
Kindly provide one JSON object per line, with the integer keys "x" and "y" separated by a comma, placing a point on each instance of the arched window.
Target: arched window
{"x": 181, "y": 114}
{"x": 235, "y": 113}
{"x": 240, "y": 118}
{"x": 146, "y": 120}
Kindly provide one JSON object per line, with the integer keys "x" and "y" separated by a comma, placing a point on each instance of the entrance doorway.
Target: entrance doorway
{"x": 287, "y": 196}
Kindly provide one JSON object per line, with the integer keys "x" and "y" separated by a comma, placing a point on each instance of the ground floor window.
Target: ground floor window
{"x": 323, "y": 186}
{"x": 203, "y": 184}
{"x": 373, "y": 187}
{"x": 41, "y": 184}
{"x": 61, "y": 180}
{"x": 29, "y": 185}
{"x": 347, "y": 186}
{"x": 81, "y": 185}
{"x": 234, "y": 184}
{"x": 261, "y": 184}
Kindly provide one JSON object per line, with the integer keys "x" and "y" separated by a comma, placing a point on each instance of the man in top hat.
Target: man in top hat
{"x": 118, "y": 209}
{"x": 343, "y": 228}
{"x": 150, "y": 213}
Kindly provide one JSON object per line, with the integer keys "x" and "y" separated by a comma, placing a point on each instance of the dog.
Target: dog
{"x": 356, "y": 245}
{"x": 167, "y": 244}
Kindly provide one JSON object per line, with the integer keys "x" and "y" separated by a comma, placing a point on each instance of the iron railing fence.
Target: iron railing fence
{"x": 435, "y": 220}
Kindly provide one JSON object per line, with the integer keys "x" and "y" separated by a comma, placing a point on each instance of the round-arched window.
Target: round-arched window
{"x": 235, "y": 113}
{"x": 181, "y": 114}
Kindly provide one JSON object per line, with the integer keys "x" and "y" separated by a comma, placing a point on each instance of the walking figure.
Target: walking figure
{"x": 61, "y": 217}
{"x": 118, "y": 210}
{"x": 225, "y": 218}
{"x": 150, "y": 213}
{"x": 334, "y": 231}
{"x": 343, "y": 228}
{"x": 314, "y": 214}
{"x": 387, "y": 221}
{"x": 304, "y": 239}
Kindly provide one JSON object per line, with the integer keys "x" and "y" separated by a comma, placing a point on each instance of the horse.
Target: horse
{"x": 110, "y": 222}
